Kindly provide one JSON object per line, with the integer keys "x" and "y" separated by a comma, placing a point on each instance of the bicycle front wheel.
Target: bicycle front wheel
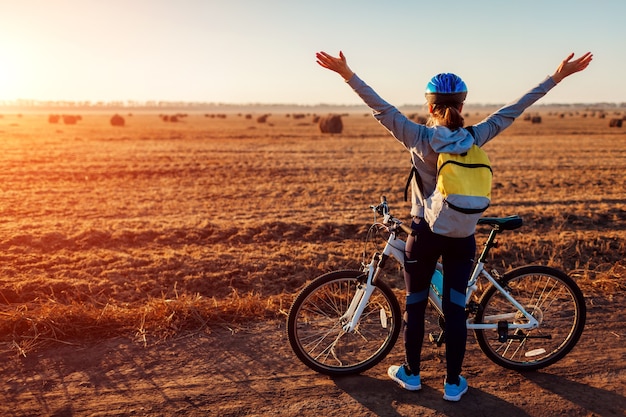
{"x": 552, "y": 298}
{"x": 315, "y": 325}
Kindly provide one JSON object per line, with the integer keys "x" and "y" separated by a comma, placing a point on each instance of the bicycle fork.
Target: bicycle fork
{"x": 361, "y": 298}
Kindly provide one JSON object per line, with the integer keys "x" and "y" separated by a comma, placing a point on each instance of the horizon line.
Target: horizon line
{"x": 39, "y": 104}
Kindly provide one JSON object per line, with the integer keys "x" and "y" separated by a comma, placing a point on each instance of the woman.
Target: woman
{"x": 445, "y": 132}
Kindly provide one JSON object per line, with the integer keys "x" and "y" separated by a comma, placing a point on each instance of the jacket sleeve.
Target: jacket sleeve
{"x": 409, "y": 133}
{"x": 504, "y": 117}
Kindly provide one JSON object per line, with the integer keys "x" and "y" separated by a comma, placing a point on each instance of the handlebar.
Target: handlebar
{"x": 383, "y": 210}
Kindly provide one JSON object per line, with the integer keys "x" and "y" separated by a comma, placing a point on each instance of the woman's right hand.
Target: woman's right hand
{"x": 339, "y": 65}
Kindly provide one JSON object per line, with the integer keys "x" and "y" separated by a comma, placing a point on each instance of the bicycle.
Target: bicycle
{"x": 347, "y": 321}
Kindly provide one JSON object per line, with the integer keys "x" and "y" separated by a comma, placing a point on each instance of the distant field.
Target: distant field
{"x": 155, "y": 228}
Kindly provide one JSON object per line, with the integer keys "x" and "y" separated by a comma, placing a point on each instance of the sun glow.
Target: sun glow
{"x": 8, "y": 81}
{"x": 4, "y": 81}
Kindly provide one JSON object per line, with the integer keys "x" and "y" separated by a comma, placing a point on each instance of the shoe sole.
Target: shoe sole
{"x": 404, "y": 384}
{"x": 454, "y": 397}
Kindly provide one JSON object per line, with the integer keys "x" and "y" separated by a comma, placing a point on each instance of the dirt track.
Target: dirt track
{"x": 252, "y": 371}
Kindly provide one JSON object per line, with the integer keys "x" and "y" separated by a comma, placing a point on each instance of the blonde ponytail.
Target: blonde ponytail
{"x": 448, "y": 116}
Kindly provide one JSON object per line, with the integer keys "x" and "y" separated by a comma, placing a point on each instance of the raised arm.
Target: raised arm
{"x": 504, "y": 117}
{"x": 568, "y": 67}
{"x": 339, "y": 65}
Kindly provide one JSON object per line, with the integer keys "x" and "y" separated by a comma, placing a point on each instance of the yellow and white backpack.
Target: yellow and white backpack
{"x": 462, "y": 193}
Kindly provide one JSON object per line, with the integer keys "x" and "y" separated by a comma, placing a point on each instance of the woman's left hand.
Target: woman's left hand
{"x": 568, "y": 67}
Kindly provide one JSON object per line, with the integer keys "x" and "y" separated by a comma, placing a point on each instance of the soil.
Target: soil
{"x": 251, "y": 371}
{"x": 103, "y": 229}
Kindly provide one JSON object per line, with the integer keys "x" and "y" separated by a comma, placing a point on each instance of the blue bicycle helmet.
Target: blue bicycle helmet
{"x": 446, "y": 88}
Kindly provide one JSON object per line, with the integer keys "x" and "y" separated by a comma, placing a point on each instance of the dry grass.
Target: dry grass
{"x": 155, "y": 228}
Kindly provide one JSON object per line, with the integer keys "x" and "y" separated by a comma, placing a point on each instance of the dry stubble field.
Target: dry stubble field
{"x": 147, "y": 269}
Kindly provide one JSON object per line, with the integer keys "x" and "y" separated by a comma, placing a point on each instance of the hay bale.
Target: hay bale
{"x": 535, "y": 119}
{"x": 53, "y": 118}
{"x": 117, "y": 120}
{"x": 70, "y": 120}
{"x": 615, "y": 123}
{"x": 331, "y": 124}
{"x": 262, "y": 118}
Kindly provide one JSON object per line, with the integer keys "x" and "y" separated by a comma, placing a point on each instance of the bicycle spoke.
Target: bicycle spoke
{"x": 317, "y": 333}
{"x": 552, "y": 299}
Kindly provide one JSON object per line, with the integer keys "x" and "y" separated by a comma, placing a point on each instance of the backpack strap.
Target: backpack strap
{"x": 418, "y": 178}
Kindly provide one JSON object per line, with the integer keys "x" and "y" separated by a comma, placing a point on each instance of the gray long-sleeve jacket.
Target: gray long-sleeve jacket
{"x": 425, "y": 143}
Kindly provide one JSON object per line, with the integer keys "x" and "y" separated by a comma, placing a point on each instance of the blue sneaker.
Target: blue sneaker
{"x": 406, "y": 381}
{"x": 453, "y": 392}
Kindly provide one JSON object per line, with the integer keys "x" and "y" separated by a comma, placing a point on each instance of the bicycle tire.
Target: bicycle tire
{"x": 553, "y": 298}
{"x": 315, "y": 328}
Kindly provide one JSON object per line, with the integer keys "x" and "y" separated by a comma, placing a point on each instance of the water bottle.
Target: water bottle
{"x": 437, "y": 283}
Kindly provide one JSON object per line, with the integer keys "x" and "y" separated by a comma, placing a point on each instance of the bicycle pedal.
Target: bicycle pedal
{"x": 503, "y": 331}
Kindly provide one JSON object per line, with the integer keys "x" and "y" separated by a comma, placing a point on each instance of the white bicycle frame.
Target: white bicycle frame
{"x": 395, "y": 248}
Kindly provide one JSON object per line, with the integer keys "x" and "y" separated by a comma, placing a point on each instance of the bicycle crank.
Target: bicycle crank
{"x": 503, "y": 333}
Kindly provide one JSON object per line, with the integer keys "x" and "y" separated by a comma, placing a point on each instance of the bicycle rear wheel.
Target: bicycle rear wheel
{"x": 315, "y": 325}
{"x": 552, "y": 298}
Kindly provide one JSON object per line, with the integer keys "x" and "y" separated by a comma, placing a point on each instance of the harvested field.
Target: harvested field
{"x": 133, "y": 252}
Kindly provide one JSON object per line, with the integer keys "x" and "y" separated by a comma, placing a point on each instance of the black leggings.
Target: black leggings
{"x": 423, "y": 249}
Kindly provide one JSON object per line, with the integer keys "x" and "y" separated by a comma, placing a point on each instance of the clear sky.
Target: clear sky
{"x": 262, "y": 51}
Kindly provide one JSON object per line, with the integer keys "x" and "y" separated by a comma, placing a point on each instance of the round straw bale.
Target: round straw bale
{"x": 117, "y": 120}
{"x": 70, "y": 119}
{"x": 331, "y": 124}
